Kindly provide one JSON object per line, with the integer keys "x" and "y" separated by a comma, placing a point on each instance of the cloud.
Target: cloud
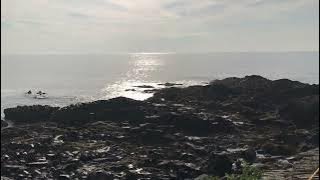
{"x": 117, "y": 25}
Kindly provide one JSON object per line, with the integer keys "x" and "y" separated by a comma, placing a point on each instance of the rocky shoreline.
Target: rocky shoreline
{"x": 179, "y": 133}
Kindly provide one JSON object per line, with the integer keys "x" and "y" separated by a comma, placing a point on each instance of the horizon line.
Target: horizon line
{"x": 153, "y": 52}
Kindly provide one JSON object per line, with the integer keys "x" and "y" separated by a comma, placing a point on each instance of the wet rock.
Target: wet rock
{"x": 64, "y": 177}
{"x": 182, "y": 170}
{"x": 130, "y": 90}
{"x": 4, "y": 124}
{"x": 5, "y": 178}
{"x": 100, "y": 175}
{"x": 70, "y": 136}
{"x": 250, "y": 155}
{"x": 27, "y": 114}
{"x": 131, "y": 176}
{"x": 116, "y": 109}
{"x": 170, "y": 84}
{"x": 219, "y": 165}
{"x": 38, "y": 164}
{"x": 180, "y": 133}
{"x": 144, "y": 86}
{"x": 304, "y": 112}
{"x": 314, "y": 139}
{"x": 275, "y": 149}
{"x": 194, "y": 93}
{"x": 188, "y": 123}
{"x": 151, "y": 90}
{"x": 149, "y": 136}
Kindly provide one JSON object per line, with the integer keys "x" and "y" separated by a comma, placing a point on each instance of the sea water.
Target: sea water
{"x": 73, "y": 78}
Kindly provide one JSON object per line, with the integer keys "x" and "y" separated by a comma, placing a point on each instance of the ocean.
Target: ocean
{"x": 70, "y": 78}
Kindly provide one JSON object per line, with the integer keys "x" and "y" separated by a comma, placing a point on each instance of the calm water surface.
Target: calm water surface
{"x": 74, "y": 78}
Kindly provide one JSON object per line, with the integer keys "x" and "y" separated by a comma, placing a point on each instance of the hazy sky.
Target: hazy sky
{"x": 104, "y": 26}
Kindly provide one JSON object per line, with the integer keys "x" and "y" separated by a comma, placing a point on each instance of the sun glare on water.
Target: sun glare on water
{"x": 143, "y": 64}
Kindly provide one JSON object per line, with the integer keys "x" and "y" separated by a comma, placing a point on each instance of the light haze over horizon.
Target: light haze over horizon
{"x": 112, "y": 26}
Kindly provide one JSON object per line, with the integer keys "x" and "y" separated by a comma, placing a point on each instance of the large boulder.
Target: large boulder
{"x": 26, "y": 114}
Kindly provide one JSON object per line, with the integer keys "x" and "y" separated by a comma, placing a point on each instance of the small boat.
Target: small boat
{"x": 40, "y": 96}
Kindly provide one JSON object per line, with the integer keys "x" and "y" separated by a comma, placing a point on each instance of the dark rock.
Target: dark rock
{"x": 275, "y": 149}
{"x": 64, "y": 177}
{"x": 314, "y": 139}
{"x": 251, "y": 83}
{"x": 170, "y": 136}
{"x": 131, "y": 176}
{"x": 38, "y": 164}
{"x": 100, "y": 175}
{"x": 208, "y": 92}
{"x": 304, "y": 112}
{"x": 250, "y": 155}
{"x": 144, "y": 86}
{"x": 130, "y": 90}
{"x": 202, "y": 177}
{"x": 151, "y": 90}
{"x": 148, "y": 136}
{"x": 182, "y": 170}
{"x": 189, "y": 124}
{"x": 170, "y": 84}
{"x": 219, "y": 165}
{"x": 116, "y": 109}
{"x": 4, "y": 124}
{"x": 27, "y": 114}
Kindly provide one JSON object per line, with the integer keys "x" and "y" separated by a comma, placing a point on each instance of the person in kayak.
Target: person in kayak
{"x": 41, "y": 93}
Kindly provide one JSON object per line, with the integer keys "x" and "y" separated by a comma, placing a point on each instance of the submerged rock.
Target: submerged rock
{"x": 170, "y": 84}
{"x": 144, "y": 86}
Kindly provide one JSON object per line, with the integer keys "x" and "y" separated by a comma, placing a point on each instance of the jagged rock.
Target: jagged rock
{"x": 180, "y": 133}
{"x": 144, "y": 86}
{"x": 27, "y": 114}
{"x": 131, "y": 176}
{"x": 100, "y": 175}
{"x": 116, "y": 109}
{"x": 151, "y": 90}
{"x": 219, "y": 165}
{"x": 247, "y": 84}
{"x": 182, "y": 170}
{"x": 250, "y": 155}
{"x": 304, "y": 112}
{"x": 170, "y": 84}
{"x": 4, "y": 124}
{"x": 64, "y": 177}
{"x": 188, "y": 123}
{"x": 149, "y": 136}
{"x": 275, "y": 149}
{"x": 130, "y": 90}
{"x": 314, "y": 139}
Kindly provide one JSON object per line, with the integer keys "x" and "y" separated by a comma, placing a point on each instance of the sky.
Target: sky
{"x": 116, "y": 26}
